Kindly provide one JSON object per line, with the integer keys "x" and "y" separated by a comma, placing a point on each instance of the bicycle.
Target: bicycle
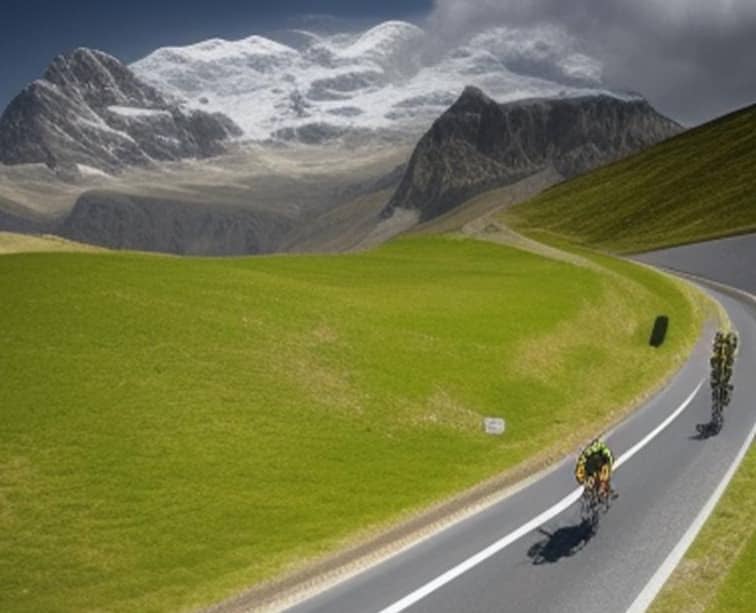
{"x": 597, "y": 495}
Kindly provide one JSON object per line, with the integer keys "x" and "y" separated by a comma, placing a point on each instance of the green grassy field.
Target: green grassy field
{"x": 173, "y": 430}
{"x": 718, "y": 574}
{"x": 699, "y": 185}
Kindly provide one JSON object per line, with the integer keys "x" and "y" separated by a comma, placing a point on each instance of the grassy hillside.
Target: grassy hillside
{"x": 697, "y": 186}
{"x": 172, "y": 430}
{"x": 717, "y": 573}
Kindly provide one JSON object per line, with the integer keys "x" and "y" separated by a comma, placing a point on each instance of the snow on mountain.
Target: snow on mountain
{"x": 130, "y": 111}
{"x": 91, "y": 171}
{"x": 386, "y": 44}
{"x": 316, "y": 87}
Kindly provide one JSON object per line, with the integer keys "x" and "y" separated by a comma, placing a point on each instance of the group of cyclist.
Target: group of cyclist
{"x": 595, "y": 463}
{"x": 722, "y": 362}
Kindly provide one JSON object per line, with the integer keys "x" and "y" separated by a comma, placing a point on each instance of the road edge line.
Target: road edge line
{"x": 656, "y": 583}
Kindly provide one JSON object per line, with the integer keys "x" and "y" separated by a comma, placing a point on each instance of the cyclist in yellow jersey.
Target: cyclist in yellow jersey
{"x": 594, "y": 467}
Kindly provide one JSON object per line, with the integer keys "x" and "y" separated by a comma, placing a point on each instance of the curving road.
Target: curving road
{"x": 727, "y": 260}
{"x": 530, "y": 552}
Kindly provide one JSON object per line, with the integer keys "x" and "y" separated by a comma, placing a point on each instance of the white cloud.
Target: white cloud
{"x": 692, "y": 58}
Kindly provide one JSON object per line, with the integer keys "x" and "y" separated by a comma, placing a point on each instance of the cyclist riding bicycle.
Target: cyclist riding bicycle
{"x": 594, "y": 468}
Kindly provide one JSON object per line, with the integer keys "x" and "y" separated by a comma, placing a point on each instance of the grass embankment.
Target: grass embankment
{"x": 173, "y": 430}
{"x": 718, "y": 574}
{"x": 699, "y": 185}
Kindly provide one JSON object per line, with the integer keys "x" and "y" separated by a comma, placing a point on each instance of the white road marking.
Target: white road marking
{"x": 651, "y": 435}
{"x": 562, "y": 505}
{"x": 646, "y": 597}
{"x": 486, "y": 553}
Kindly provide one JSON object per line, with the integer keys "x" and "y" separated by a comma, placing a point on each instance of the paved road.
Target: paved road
{"x": 563, "y": 566}
{"x": 729, "y": 260}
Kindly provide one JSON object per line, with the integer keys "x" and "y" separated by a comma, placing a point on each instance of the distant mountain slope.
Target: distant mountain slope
{"x": 122, "y": 221}
{"x": 313, "y": 88}
{"x": 478, "y": 144}
{"x": 17, "y": 218}
{"x": 17, "y": 223}
{"x": 329, "y": 207}
{"x": 697, "y": 186}
{"x": 89, "y": 111}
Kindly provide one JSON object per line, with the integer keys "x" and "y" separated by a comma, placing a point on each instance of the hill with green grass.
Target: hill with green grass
{"x": 696, "y": 186}
{"x": 174, "y": 430}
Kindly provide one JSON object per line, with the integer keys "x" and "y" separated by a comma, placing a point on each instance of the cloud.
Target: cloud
{"x": 693, "y": 59}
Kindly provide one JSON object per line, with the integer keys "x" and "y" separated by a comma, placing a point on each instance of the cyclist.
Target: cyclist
{"x": 594, "y": 468}
{"x": 722, "y": 362}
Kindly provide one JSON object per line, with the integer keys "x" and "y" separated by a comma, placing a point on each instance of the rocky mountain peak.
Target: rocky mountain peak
{"x": 472, "y": 99}
{"x": 478, "y": 144}
{"x": 91, "y": 110}
{"x": 101, "y": 80}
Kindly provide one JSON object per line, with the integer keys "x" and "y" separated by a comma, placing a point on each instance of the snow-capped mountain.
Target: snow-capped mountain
{"x": 311, "y": 87}
{"x": 89, "y": 113}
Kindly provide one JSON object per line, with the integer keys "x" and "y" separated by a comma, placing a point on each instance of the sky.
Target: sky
{"x": 693, "y": 59}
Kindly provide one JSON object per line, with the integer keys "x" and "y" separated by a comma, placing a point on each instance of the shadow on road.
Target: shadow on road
{"x": 563, "y": 543}
{"x": 706, "y": 431}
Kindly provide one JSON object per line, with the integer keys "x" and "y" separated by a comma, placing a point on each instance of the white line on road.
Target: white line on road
{"x": 651, "y": 435}
{"x": 644, "y": 599}
{"x": 528, "y": 527}
{"x": 486, "y": 553}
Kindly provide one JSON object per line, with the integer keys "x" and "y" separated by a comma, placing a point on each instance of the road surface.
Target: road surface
{"x": 727, "y": 260}
{"x": 498, "y": 560}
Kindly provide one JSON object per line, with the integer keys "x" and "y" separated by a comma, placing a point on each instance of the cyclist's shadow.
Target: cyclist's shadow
{"x": 562, "y": 543}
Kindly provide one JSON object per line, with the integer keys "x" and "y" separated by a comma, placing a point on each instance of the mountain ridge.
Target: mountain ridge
{"x": 479, "y": 144}
{"x": 89, "y": 109}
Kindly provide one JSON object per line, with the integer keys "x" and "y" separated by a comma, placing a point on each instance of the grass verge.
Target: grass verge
{"x": 717, "y": 575}
{"x": 173, "y": 430}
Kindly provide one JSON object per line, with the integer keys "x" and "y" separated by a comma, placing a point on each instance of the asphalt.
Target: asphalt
{"x": 727, "y": 260}
{"x": 564, "y": 565}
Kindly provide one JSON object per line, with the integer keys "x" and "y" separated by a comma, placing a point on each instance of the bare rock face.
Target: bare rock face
{"x": 90, "y": 109}
{"x": 303, "y": 218}
{"x": 121, "y": 221}
{"x": 478, "y": 144}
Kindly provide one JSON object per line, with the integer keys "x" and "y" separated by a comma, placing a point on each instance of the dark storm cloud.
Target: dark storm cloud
{"x": 693, "y": 59}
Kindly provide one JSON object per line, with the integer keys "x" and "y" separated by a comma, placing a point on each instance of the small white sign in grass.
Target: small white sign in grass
{"x": 494, "y": 425}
